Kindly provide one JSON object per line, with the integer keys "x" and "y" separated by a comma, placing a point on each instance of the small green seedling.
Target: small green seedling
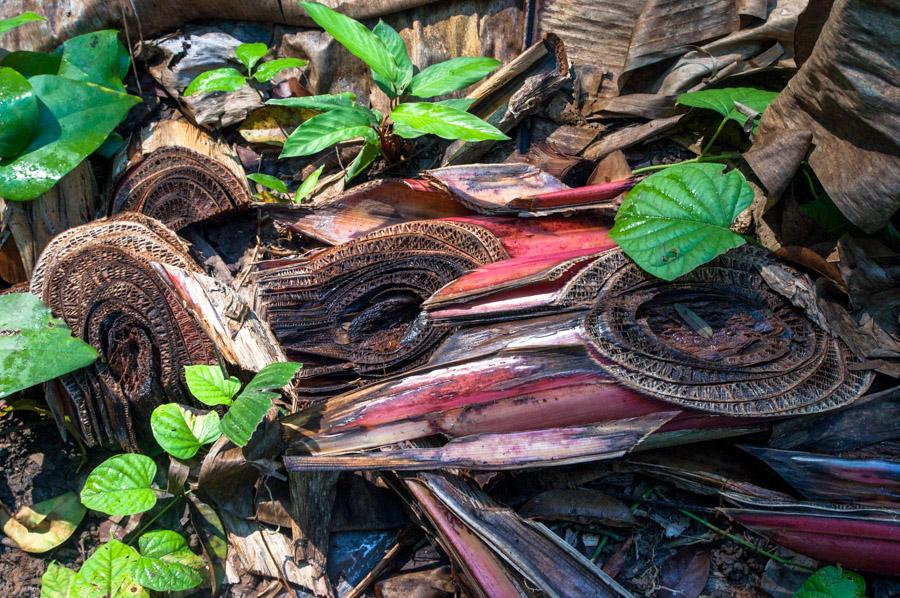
{"x": 382, "y": 49}
{"x": 270, "y": 183}
{"x": 123, "y": 485}
{"x": 181, "y": 431}
{"x": 229, "y": 79}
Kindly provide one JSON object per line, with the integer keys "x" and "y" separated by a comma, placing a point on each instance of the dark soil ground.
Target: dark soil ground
{"x": 35, "y": 465}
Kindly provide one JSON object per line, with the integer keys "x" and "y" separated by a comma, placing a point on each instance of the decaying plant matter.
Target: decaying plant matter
{"x": 595, "y": 329}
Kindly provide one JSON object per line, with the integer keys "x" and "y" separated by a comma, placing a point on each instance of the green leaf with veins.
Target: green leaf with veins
{"x": 329, "y": 128}
{"x": 35, "y": 346}
{"x": 121, "y": 485}
{"x": 209, "y": 385}
{"x": 97, "y": 57}
{"x": 166, "y": 564}
{"x": 409, "y": 133}
{"x": 268, "y": 181}
{"x": 833, "y": 582}
{"x": 397, "y": 48}
{"x": 62, "y": 582}
{"x": 18, "y": 21}
{"x": 451, "y": 75}
{"x": 444, "y": 121}
{"x": 109, "y": 569}
{"x": 723, "y": 101}
{"x": 321, "y": 102}
{"x": 74, "y": 119}
{"x": 18, "y": 112}
{"x": 268, "y": 70}
{"x": 250, "y": 54}
{"x": 255, "y": 400}
{"x": 181, "y": 431}
{"x": 358, "y": 40}
{"x": 680, "y": 218}
{"x": 224, "y": 79}
{"x": 370, "y": 150}
{"x": 309, "y": 183}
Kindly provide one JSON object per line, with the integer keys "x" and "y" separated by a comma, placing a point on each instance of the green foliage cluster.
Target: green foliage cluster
{"x": 341, "y": 119}
{"x": 57, "y": 109}
{"x": 680, "y": 217}
{"x": 229, "y": 79}
{"x": 123, "y": 485}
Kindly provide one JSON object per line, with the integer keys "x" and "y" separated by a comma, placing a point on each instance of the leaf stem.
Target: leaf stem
{"x": 153, "y": 519}
{"x": 716, "y": 158}
{"x": 714, "y": 137}
{"x": 742, "y": 541}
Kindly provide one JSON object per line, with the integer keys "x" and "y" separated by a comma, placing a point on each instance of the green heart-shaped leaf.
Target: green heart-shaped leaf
{"x": 224, "y": 79}
{"x": 209, "y": 385}
{"x": 121, "y": 485}
{"x": 268, "y": 70}
{"x": 255, "y": 400}
{"x": 34, "y": 346}
{"x": 181, "y": 432}
{"x": 166, "y": 564}
{"x": 18, "y": 112}
{"x": 74, "y": 119}
{"x": 328, "y": 128}
{"x": 451, "y": 75}
{"x": 680, "y": 218}
{"x": 109, "y": 569}
{"x": 444, "y": 121}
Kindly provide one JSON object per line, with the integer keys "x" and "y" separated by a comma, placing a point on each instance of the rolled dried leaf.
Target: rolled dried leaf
{"x": 832, "y": 479}
{"x": 512, "y": 450}
{"x": 180, "y": 176}
{"x": 538, "y": 554}
{"x": 856, "y": 541}
{"x": 98, "y": 278}
{"x": 353, "y": 311}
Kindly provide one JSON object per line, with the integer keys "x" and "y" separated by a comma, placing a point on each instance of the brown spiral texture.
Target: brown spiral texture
{"x": 718, "y": 339}
{"x": 178, "y": 187}
{"x": 98, "y": 278}
{"x": 353, "y": 312}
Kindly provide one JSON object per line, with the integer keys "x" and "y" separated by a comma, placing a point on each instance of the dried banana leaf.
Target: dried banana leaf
{"x": 99, "y": 279}
{"x": 511, "y": 450}
{"x": 530, "y": 548}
